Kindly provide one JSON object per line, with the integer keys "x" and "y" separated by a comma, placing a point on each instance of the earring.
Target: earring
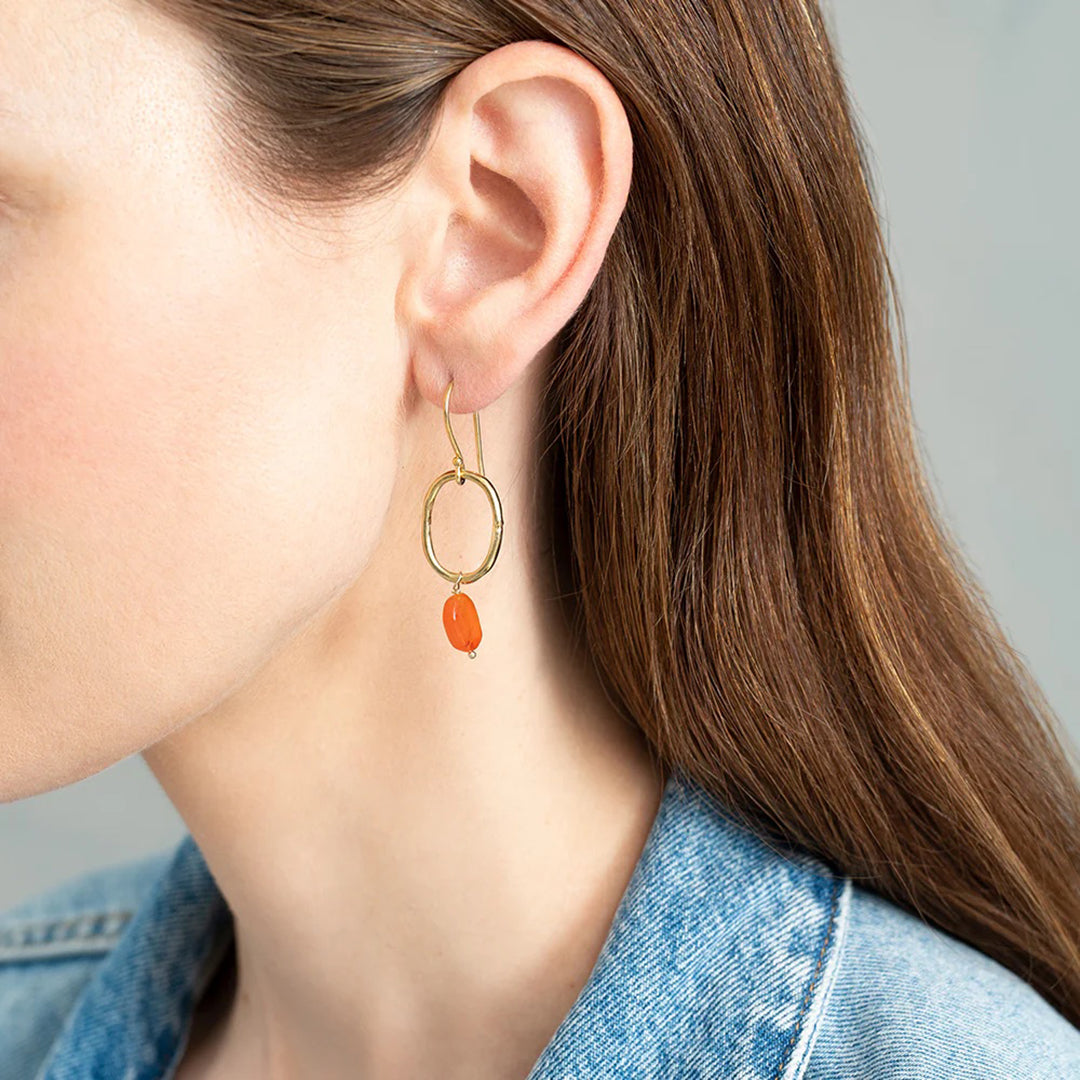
{"x": 460, "y": 620}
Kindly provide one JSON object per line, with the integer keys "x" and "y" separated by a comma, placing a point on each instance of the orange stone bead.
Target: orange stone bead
{"x": 461, "y": 622}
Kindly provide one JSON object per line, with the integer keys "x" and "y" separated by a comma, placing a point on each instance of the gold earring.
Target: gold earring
{"x": 460, "y": 620}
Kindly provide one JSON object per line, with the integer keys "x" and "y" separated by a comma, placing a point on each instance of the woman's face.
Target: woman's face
{"x": 197, "y": 406}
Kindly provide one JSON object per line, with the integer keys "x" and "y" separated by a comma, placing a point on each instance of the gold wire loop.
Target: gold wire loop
{"x": 460, "y": 475}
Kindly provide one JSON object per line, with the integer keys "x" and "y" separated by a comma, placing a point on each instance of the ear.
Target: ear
{"x": 509, "y": 216}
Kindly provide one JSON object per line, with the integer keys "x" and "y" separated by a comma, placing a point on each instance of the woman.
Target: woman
{"x": 715, "y": 764}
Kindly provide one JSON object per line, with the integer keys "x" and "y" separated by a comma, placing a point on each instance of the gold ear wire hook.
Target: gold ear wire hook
{"x": 458, "y": 456}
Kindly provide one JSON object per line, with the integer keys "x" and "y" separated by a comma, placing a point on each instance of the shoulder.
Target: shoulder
{"x": 50, "y": 945}
{"x": 115, "y": 887}
{"x": 909, "y": 999}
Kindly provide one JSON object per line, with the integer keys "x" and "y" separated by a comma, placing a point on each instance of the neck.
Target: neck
{"x": 416, "y": 878}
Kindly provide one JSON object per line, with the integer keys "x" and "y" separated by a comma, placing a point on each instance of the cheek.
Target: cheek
{"x": 186, "y": 472}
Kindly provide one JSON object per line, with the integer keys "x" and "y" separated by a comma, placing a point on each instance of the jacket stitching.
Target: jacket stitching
{"x": 86, "y": 927}
{"x": 837, "y": 883}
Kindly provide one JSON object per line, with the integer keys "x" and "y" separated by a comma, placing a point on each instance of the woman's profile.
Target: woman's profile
{"x": 465, "y": 449}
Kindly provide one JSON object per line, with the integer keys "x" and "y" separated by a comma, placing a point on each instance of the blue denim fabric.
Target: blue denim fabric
{"x": 727, "y": 958}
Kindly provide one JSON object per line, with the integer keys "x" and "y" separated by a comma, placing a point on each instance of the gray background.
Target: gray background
{"x": 970, "y": 107}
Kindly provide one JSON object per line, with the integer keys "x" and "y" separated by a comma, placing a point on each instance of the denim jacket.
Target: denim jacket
{"x": 726, "y": 958}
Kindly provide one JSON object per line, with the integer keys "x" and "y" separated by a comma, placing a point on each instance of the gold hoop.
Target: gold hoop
{"x": 460, "y": 474}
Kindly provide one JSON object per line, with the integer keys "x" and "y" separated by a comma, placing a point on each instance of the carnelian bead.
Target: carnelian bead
{"x": 461, "y": 622}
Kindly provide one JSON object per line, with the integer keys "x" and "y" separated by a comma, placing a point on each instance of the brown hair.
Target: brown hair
{"x": 737, "y": 509}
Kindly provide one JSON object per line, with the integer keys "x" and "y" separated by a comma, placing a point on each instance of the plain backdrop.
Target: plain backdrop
{"x": 970, "y": 108}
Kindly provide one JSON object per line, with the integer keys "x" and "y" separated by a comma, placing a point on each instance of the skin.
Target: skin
{"x": 217, "y": 429}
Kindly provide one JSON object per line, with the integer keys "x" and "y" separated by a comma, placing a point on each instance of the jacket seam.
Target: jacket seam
{"x": 837, "y": 886}
{"x": 40, "y": 935}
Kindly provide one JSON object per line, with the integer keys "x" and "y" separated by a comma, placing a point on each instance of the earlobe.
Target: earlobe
{"x": 529, "y": 170}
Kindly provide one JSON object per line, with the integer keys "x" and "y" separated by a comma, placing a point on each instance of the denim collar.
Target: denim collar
{"x": 720, "y": 955}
